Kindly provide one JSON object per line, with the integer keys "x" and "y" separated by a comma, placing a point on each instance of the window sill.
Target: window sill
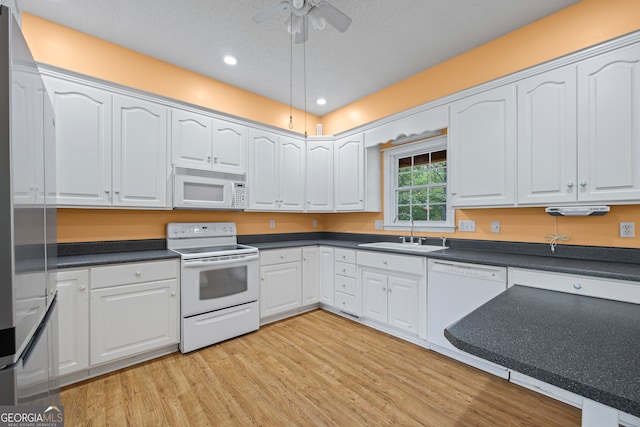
{"x": 444, "y": 228}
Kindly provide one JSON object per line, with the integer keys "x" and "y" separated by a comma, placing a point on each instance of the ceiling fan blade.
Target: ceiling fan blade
{"x": 303, "y": 35}
{"x": 333, "y": 16}
{"x": 270, "y": 12}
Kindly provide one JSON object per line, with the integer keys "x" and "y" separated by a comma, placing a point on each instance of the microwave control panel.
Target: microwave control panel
{"x": 239, "y": 196}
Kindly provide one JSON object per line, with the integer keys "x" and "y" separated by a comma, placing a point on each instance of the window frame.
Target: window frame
{"x": 391, "y": 156}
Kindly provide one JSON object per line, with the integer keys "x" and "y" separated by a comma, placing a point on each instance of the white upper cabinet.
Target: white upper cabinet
{"x": 191, "y": 139}
{"x": 229, "y": 147}
{"x": 547, "y": 137}
{"x": 349, "y": 173}
{"x": 83, "y": 143}
{"x": 111, "y": 149}
{"x": 609, "y": 126}
{"x": 276, "y": 172}
{"x": 319, "y": 176}
{"x": 202, "y": 142}
{"x": 482, "y": 149}
{"x": 140, "y": 167}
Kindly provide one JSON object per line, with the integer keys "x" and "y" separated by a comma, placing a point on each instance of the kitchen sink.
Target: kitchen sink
{"x": 403, "y": 246}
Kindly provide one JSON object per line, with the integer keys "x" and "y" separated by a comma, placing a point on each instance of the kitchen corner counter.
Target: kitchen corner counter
{"x": 588, "y": 346}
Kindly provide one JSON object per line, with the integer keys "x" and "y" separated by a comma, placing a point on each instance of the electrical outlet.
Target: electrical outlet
{"x": 272, "y": 223}
{"x": 467, "y": 225}
{"x": 495, "y": 226}
{"x": 315, "y": 223}
{"x": 627, "y": 229}
{"x": 378, "y": 224}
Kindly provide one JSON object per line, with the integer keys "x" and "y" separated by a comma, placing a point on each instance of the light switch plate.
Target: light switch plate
{"x": 467, "y": 225}
{"x": 495, "y": 226}
{"x": 378, "y": 224}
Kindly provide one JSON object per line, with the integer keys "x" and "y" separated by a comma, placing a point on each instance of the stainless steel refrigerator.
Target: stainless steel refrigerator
{"x": 28, "y": 309}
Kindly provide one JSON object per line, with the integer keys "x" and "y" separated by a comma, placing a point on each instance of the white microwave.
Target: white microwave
{"x": 202, "y": 189}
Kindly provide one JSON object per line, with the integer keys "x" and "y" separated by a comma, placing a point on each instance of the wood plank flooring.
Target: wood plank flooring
{"x": 315, "y": 369}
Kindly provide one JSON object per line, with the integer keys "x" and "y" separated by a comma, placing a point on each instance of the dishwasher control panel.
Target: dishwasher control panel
{"x": 475, "y": 271}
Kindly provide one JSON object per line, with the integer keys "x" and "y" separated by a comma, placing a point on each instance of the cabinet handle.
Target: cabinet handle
{"x": 208, "y": 159}
{"x": 344, "y": 303}
{"x": 138, "y": 274}
{"x": 570, "y": 184}
{"x": 281, "y": 256}
{"x": 384, "y": 289}
{"x": 453, "y": 193}
{"x": 385, "y": 262}
{"x": 344, "y": 270}
{"x": 262, "y": 278}
{"x": 344, "y": 286}
{"x": 583, "y": 183}
{"x": 577, "y": 286}
{"x": 82, "y": 288}
{"x": 173, "y": 294}
{"x": 215, "y": 160}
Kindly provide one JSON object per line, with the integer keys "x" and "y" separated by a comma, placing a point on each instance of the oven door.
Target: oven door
{"x": 209, "y": 284}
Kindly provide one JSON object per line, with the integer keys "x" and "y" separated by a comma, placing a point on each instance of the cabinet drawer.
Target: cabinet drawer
{"x": 346, "y": 285}
{"x": 347, "y": 303}
{"x": 345, "y": 255}
{"x": 279, "y": 256}
{"x": 127, "y": 274}
{"x": 345, "y": 269}
{"x": 403, "y": 263}
{"x": 613, "y": 289}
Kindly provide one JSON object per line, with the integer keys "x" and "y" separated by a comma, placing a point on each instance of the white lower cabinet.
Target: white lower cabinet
{"x": 280, "y": 281}
{"x": 134, "y": 309}
{"x": 326, "y": 275}
{"x": 310, "y": 275}
{"x": 394, "y": 290}
{"x": 347, "y": 292}
{"x": 73, "y": 320}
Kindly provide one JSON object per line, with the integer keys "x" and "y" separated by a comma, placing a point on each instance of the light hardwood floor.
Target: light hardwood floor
{"x": 313, "y": 369}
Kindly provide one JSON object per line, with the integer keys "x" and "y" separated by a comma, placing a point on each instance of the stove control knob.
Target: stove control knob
{"x": 196, "y": 230}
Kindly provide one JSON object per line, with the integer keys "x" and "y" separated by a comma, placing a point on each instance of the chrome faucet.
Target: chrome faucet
{"x": 412, "y": 225}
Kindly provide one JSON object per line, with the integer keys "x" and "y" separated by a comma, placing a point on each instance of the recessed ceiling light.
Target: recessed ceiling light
{"x": 230, "y": 60}
{"x": 321, "y": 101}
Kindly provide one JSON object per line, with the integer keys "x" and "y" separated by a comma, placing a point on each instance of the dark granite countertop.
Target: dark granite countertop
{"x": 511, "y": 257}
{"x": 611, "y": 263}
{"x": 585, "y": 345}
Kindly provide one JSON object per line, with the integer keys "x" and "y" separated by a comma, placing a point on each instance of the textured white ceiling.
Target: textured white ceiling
{"x": 388, "y": 41}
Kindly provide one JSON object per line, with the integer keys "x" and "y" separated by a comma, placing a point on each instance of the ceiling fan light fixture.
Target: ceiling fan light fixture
{"x": 317, "y": 20}
{"x": 294, "y": 24}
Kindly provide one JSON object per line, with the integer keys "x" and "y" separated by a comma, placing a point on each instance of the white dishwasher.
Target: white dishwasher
{"x": 455, "y": 289}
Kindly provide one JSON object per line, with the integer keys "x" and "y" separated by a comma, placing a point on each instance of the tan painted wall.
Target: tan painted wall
{"x": 587, "y": 23}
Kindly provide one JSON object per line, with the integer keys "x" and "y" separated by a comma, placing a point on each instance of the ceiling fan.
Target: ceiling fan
{"x": 319, "y": 12}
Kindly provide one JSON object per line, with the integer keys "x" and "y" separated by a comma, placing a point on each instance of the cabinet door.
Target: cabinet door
{"x": 280, "y": 288}
{"x": 319, "y": 176}
{"x": 291, "y": 174}
{"x": 131, "y": 319}
{"x": 374, "y": 295}
{"x": 482, "y": 149}
{"x": 349, "y": 173}
{"x": 263, "y": 170}
{"x": 609, "y": 126}
{"x": 140, "y": 168}
{"x": 191, "y": 139}
{"x": 326, "y": 276}
{"x": 310, "y": 275}
{"x": 547, "y": 137}
{"x": 229, "y": 147}
{"x": 73, "y": 320}
{"x": 83, "y": 143}
{"x": 403, "y": 303}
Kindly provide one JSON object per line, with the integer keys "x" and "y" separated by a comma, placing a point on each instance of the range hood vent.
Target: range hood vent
{"x": 577, "y": 210}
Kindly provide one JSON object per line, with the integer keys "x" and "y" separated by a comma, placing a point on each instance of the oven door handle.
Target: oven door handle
{"x": 235, "y": 260}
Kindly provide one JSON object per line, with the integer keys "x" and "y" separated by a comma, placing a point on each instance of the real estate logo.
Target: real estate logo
{"x": 32, "y": 416}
